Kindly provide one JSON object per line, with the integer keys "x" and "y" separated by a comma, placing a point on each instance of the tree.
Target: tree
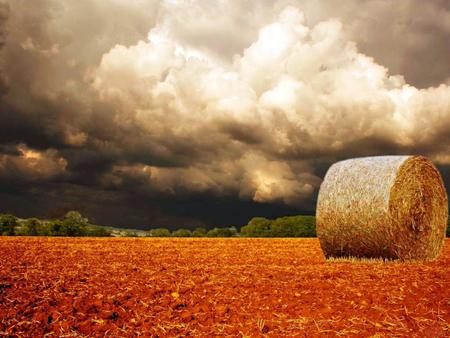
{"x": 8, "y": 224}
{"x": 74, "y": 224}
{"x": 76, "y": 217}
{"x": 97, "y": 231}
{"x": 306, "y": 226}
{"x": 56, "y": 228}
{"x": 45, "y": 228}
{"x": 199, "y": 232}
{"x": 181, "y": 233}
{"x": 257, "y": 227}
{"x": 159, "y": 232}
{"x": 31, "y": 227}
{"x": 288, "y": 226}
{"x": 222, "y": 232}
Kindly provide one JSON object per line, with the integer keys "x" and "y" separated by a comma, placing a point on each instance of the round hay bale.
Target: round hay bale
{"x": 391, "y": 207}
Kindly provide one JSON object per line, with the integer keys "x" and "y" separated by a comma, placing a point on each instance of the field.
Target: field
{"x": 75, "y": 287}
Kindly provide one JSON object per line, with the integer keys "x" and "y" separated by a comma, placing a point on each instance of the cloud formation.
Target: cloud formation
{"x": 200, "y": 104}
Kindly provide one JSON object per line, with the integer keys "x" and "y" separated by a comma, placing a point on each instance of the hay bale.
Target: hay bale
{"x": 392, "y": 207}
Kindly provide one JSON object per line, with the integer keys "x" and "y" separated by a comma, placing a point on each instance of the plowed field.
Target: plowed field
{"x": 76, "y": 287}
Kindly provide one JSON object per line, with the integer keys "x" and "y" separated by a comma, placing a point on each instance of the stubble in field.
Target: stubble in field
{"x": 203, "y": 287}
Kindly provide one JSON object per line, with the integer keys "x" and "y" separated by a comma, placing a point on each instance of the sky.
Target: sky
{"x": 207, "y": 113}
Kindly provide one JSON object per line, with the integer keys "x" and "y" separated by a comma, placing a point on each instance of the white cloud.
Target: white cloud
{"x": 303, "y": 88}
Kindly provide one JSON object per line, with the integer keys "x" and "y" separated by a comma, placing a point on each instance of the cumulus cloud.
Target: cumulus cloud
{"x": 247, "y": 102}
{"x": 305, "y": 90}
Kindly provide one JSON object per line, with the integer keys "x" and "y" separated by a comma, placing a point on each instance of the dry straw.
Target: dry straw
{"x": 391, "y": 207}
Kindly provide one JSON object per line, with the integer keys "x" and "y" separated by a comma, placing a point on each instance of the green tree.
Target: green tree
{"x": 257, "y": 227}
{"x": 293, "y": 226}
{"x": 159, "y": 232}
{"x": 181, "y": 233}
{"x": 56, "y": 228}
{"x": 8, "y": 223}
{"x": 74, "y": 224}
{"x": 306, "y": 226}
{"x": 31, "y": 227}
{"x": 75, "y": 217}
{"x": 45, "y": 228}
{"x": 288, "y": 226}
{"x": 97, "y": 231}
{"x": 222, "y": 232}
{"x": 199, "y": 232}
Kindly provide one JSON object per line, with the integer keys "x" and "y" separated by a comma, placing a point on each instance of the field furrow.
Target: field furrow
{"x": 207, "y": 286}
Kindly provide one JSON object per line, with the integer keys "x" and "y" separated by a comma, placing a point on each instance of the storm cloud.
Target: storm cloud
{"x": 208, "y": 113}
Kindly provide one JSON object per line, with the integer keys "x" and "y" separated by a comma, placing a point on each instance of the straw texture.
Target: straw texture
{"x": 391, "y": 207}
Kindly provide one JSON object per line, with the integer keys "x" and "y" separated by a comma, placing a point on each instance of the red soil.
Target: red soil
{"x": 205, "y": 287}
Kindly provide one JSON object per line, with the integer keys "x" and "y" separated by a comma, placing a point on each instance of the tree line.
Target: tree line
{"x": 73, "y": 224}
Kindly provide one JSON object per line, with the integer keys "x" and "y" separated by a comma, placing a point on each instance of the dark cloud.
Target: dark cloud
{"x": 152, "y": 113}
{"x": 4, "y": 13}
{"x": 415, "y": 37}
